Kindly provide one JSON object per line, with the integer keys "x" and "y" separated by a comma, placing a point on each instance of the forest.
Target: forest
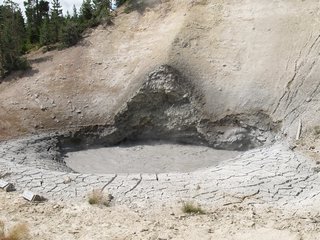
{"x": 44, "y": 24}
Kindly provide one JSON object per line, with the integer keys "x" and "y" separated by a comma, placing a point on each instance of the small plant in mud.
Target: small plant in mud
{"x": 17, "y": 232}
{"x": 317, "y": 131}
{"x": 97, "y": 197}
{"x": 192, "y": 208}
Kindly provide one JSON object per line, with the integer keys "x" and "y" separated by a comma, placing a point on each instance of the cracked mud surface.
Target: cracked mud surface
{"x": 262, "y": 194}
{"x": 272, "y": 175}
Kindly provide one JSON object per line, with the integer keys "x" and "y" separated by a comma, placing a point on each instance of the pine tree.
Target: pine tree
{"x": 11, "y": 45}
{"x": 45, "y": 33}
{"x": 75, "y": 13}
{"x": 86, "y": 10}
{"x": 32, "y": 28}
{"x": 36, "y": 12}
{"x": 56, "y": 19}
{"x": 101, "y": 9}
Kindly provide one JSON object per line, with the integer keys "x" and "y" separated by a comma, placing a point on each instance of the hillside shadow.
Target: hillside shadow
{"x": 141, "y": 6}
{"x": 41, "y": 59}
{"x": 14, "y": 76}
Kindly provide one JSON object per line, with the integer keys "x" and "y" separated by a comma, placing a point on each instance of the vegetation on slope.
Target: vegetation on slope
{"x": 44, "y": 25}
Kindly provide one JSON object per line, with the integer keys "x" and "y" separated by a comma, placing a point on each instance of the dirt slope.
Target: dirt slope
{"x": 245, "y": 56}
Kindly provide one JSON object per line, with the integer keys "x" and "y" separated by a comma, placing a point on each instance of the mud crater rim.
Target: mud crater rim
{"x": 166, "y": 108}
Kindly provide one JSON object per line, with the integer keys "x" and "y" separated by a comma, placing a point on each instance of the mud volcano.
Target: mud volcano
{"x": 156, "y": 125}
{"x": 161, "y": 128}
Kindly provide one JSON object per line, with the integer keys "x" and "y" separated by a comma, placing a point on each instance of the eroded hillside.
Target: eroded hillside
{"x": 244, "y": 57}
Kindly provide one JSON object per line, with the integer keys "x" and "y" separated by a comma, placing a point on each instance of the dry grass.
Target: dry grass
{"x": 317, "y": 131}
{"x": 18, "y": 232}
{"x": 191, "y": 208}
{"x": 96, "y": 197}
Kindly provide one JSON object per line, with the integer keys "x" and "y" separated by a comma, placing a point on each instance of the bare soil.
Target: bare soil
{"x": 83, "y": 221}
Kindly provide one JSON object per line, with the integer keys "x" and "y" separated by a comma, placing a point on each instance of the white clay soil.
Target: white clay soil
{"x": 146, "y": 158}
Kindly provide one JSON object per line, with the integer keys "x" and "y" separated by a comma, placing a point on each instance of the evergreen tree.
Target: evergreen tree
{"x": 86, "y": 10}
{"x": 45, "y": 33}
{"x": 44, "y": 25}
{"x": 68, "y": 16}
{"x": 101, "y": 9}
{"x": 31, "y": 14}
{"x": 56, "y": 19}
{"x": 36, "y": 12}
{"x": 75, "y": 13}
{"x": 11, "y": 45}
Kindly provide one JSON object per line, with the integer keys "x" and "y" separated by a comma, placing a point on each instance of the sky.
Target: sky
{"x": 67, "y": 5}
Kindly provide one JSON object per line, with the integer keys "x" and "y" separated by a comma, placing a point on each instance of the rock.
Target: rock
{"x": 31, "y": 197}
{"x": 43, "y": 108}
{"x": 292, "y": 147}
{"x": 261, "y": 138}
{"x": 316, "y": 169}
{"x": 67, "y": 180}
{"x": 6, "y": 186}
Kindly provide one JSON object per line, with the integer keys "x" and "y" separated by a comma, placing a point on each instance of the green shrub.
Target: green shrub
{"x": 191, "y": 208}
{"x": 317, "y": 131}
{"x": 97, "y": 197}
{"x": 71, "y": 34}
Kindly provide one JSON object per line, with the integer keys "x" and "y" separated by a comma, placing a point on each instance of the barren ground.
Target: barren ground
{"x": 79, "y": 220}
{"x": 244, "y": 56}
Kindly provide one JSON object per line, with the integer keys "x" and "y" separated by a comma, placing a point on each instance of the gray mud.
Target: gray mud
{"x": 152, "y": 157}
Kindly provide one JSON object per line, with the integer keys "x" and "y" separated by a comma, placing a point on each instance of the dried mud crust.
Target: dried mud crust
{"x": 274, "y": 175}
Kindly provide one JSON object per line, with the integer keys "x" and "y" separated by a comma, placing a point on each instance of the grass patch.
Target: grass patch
{"x": 17, "y": 232}
{"x": 191, "y": 208}
{"x": 316, "y": 131}
{"x": 96, "y": 197}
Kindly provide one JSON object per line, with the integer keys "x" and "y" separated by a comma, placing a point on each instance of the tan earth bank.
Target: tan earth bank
{"x": 244, "y": 57}
{"x": 81, "y": 221}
